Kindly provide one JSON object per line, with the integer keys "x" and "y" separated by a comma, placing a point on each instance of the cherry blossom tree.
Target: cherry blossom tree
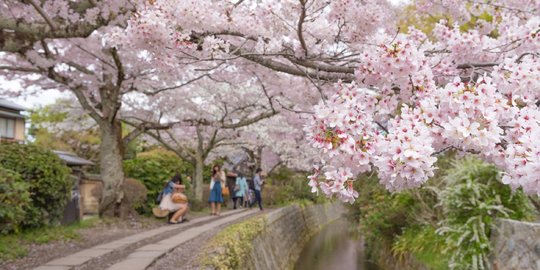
{"x": 400, "y": 97}
{"x": 391, "y": 100}
{"x": 204, "y": 117}
{"x": 73, "y": 46}
{"x": 277, "y": 141}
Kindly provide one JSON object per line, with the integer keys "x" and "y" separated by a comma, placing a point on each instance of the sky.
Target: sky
{"x": 30, "y": 101}
{"x": 397, "y": 2}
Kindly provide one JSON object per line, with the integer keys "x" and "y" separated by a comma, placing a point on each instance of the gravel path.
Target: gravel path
{"x": 187, "y": 255}
{"x": 103, "y": 232}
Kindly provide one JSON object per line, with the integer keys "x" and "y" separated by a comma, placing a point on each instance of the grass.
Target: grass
{"x": 426, "y": 246}
{"x": 432, "y": 260}
{"x": 15, "y": 246}
{"x": 229, "y": 248}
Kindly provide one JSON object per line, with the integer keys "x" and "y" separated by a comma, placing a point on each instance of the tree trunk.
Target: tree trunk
{"x": 198, "y": 178}
{"x": 111, "y": 167}
{"x": 258, "y": 157}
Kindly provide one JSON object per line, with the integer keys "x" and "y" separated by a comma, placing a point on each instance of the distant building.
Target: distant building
{"x": 11, "y": 121}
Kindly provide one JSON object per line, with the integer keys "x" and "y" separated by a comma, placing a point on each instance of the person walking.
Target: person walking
{"x": 258, "y": 182}
{"x": 216, "y": 196}
{"x": 240, "y": 189}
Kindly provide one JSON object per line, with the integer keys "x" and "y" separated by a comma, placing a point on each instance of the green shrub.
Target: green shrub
{"x": 422, "y": 244}
{"x": 47, "y": 177}
{"x": 285, "y": 186}
{"x": 445, "y": 224}
{"x": 230, "y": 247}
{"x": 14, "y": 199}
{"x": 154, "y": 169}
{"x": 135, "y": 197}
{"x": 474, "y": 197}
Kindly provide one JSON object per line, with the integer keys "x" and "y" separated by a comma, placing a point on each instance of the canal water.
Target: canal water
{"x": 334, "y": 247}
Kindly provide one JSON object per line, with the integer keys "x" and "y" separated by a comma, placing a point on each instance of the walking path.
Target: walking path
{"x": 141, "y": 250}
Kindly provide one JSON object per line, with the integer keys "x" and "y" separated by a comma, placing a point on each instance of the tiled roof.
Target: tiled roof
{"x": 11, "y": 114}
{"x": 72, "y": 160}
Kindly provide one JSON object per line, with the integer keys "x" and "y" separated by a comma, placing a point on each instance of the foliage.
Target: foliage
{"x": 384, "y": 213}
{"x": 14, "y": 200}
{"x": 47, "y": 177}
{"x": 154, "y": 169}
{"x": 473, "y": 199}
{"x": 136, "y": 195}
{"x": 424, "y": 244}
{"x": 134, "y": 201}
{"x": 230, "y": 247}
{"x": 446, "y": 223}
{"x": 63, "y": 126}
{"x": 14, "y": 246}
{"x": 285, "y": 186}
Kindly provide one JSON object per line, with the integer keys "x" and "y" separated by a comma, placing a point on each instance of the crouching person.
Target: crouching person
{"x": 174, "y": 201}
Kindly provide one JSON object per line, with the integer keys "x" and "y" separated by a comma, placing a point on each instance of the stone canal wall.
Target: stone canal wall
{"x": 286, "y": 231}
{"x": 275, "y": 243}
{"x": 516, "y": 245}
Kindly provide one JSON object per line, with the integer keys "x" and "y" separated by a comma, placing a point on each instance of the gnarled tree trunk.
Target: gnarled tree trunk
{"x": 111, "y": 167}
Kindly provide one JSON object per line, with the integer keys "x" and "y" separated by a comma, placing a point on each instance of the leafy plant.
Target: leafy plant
{"x": 285, "y": 186}
{"x": 472, "y": 200}
{"x": 14, "y": 199}
{"x": 231, "y": 246}
{"x": 154, "y": 169}
{"x": 445, "y": 224}
{"x": 47, "y": 177}
{"x": 424, "y": 244}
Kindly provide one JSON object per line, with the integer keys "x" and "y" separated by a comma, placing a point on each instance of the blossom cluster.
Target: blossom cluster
{"x": 396, "y": 63}
{"x": 404, "y": 157}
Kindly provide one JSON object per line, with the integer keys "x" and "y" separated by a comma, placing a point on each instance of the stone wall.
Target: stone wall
{"x": 285, "y": 233}
{"x": 516, "y": 245}
{"x": 277, "y": 242}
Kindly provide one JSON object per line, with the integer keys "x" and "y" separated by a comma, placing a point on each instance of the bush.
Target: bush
{"x": 230, "y": 247}
{"x": 154, "y": 169}
{"x": 285, "y": 186}
{"x": 135, "y": 196}
{"x": 382, "y": 217}
{"x": 444, "y": 224}
{"x": 474, "y": 197}
{"x": 14, "y": 199}
{"x": 47, "y": 177}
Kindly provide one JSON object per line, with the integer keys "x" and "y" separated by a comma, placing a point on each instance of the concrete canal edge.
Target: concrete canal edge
{"x": 271, "y": 241}
{"x": 516, "y": 245}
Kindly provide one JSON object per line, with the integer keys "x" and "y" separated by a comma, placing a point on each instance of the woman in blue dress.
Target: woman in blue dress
{"x": 216, "y": 197}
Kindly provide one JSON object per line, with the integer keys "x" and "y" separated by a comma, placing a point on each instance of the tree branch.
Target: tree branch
{"x": 300, "y": 25}
{"x": 476, "y": 65}
{"x": 155, "y": 92}
{"x": 42, "y": 13}
{"x": 21, "y": 69}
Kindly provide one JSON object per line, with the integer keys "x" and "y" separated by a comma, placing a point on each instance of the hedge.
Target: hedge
{"x": 14, "y": 200}
{"x": 154, "y": 169}
{"x": 48, "y": 181}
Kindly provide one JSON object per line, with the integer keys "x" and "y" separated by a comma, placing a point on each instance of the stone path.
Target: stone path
{"x": 141, "y": 250}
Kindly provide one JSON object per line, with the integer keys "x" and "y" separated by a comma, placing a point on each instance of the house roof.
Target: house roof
{"x": 11, "y": 115}
{"x": 72, "y": 159}
{"x": 10, "y": 105}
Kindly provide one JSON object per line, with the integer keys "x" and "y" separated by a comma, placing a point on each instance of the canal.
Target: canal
{"x": 336, "y": 246}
